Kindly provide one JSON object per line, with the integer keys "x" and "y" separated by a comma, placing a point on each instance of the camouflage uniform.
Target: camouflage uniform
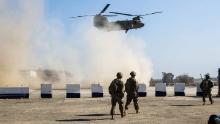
{"x": 206, "y": 87}
{"x": 131, "y": 88}
{"x": 116, "y": 90}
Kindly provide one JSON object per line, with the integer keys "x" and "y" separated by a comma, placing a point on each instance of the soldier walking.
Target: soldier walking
{"x": 116, "y": 90}
{"x": 206, "y": 87}
{"x": 131, "y": 88}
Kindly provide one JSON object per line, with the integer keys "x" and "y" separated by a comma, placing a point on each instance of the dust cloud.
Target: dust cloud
{"x": 32, "y": 42}
{"x": 107, "y": 53}
{"x": 15, "y": 26}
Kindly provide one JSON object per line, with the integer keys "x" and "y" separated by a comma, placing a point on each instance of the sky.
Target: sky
{"x": 184, "y": 39}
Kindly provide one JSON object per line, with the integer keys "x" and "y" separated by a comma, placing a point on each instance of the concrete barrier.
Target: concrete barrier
{"x": 198, "y": 90}
{"x": 14, "y": 92}
{"x": 46, "y": 90}
{"x": 179, "y": 89}
{"x": 142, "y": 90}
{"x": 97, "y": 90}
{"x": 160, "y": 89}
{"x": 73, "y": 91}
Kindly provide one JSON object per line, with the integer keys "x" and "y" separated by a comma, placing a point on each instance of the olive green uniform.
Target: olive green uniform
{"x": 206, "y": 87}
{"x": 131, "y": 88}
{"x": 116, "y": 90}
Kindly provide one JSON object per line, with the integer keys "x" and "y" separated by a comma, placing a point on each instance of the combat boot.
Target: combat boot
{"x": 121, "y": 111}
{"x": 112, "y": 112}
{"x": 137, "y": 111}
{"x": 122, "y": 115}
{"x": 113, "y": 117}
{"x": 125, "y": 112}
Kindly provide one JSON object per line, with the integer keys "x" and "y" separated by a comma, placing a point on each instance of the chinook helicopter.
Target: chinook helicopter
{"x": 100, "y": 20}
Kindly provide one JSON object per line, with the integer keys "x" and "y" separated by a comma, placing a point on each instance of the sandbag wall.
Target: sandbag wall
{"x": 46, "y": 90}
{"x": 14, "y": 92}
{"x": 160, "y": 89}
{"x": 97, "y": 90}
{"x": 74, "y": 91}
{"x": 179, "y": 89}
{"x": 142, "y": 90}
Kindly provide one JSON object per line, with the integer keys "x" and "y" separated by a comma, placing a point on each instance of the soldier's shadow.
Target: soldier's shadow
{"x": 94, "y": 117}
{"x": 179, "y": 105}
{"x": 66, "y": 120}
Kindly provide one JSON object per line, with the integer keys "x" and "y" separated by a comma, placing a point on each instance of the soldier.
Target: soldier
{"x": 214, "y": 119}
{"x": 116, "y": 90}
{"x": 131, "y": 88}
{"x": 206, "y": 87}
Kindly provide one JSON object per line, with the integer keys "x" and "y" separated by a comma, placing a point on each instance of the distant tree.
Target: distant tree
{"x": 154, "y": 81}
{"x": 185, "y": 78}
{"x": 168, "y": 78}
{"x": 151, "y": 83}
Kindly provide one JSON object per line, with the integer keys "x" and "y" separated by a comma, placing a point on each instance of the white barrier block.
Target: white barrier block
{"x": 142, "y": 90}
{"x": 160, "y": 89}
{"x": 14, "y": 92}
{"x": 73, "y": 91}
{"x": 97, "y": 90}
{"x": 198, "y": 90}
{"x": 46, "y": 90}
{"x": 179, "y": 89}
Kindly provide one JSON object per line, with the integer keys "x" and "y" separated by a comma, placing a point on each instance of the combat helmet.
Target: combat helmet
{"x": 133, "y": 73}
{"x": 207, "y": 76}
{"x": 119, "y": 75}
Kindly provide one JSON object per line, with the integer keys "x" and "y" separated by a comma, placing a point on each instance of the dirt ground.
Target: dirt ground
{"x": 153, "y": 110}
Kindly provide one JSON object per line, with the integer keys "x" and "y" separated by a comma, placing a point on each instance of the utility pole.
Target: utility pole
{"x": 218, "y": 82}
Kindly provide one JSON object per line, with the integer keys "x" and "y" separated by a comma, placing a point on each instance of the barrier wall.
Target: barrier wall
{"x": 14, "y": 92}
{"x": 73, "y": 91}
{"x": 198, "y": 90}
{"x": 179, "y": 89}
{"x": 142, "y": 90}
{"x": 97, "y": 90}
{"x": 46, "y": 90}
{"x": 160, "y": 89}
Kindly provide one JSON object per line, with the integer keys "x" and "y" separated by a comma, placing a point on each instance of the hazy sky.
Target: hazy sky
{"x": 185, "y": 38}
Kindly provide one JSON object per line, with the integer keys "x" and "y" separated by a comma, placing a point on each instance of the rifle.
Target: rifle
{"x": 201, "y": 82}
{"x": 201, "y": 77}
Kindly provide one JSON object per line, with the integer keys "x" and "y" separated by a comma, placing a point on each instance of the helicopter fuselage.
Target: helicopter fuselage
{"x": 102, "y": 22}
{"x": 129, "y": 24}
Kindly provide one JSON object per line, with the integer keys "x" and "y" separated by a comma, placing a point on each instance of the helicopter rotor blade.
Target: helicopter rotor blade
{"x": 134, "y": 15}
{"x": 92, "y": 15}
{"x": 109, "y": 15}
{"x": 82, "y": 16}
{"x": 119, "y": 13}
{"x": 104, "y": 9}
{"x": 151, "y": 13}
